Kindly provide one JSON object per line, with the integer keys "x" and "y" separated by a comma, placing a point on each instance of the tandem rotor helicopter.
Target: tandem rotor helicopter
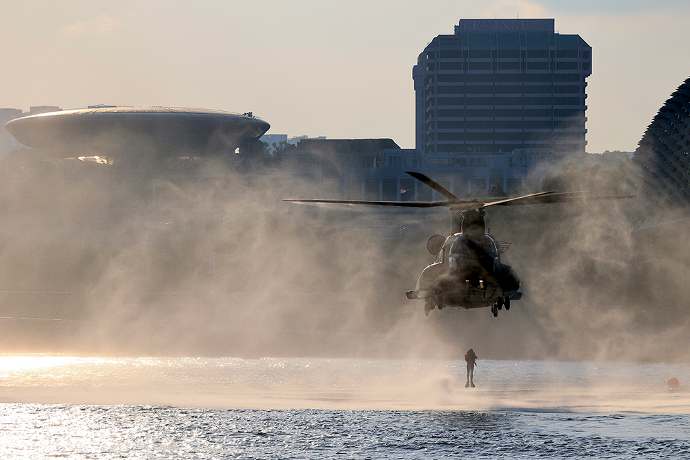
{"x": 468, "y": 272}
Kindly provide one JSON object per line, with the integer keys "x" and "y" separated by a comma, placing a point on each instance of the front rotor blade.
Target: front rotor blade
{"x": 407, "y": 204}
{"x": 507, "y": 201}
{"x": 433, "y": 184}
{"x": 552, "y": 197}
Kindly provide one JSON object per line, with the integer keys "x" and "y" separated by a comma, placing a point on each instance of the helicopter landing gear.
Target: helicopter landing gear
{"x": 499, "y": 303}
{"x": 427, "y": 308}
{"x": 507, "y": 303}
{"x": 494, "y": 310}
{"x": 439, "y": 301}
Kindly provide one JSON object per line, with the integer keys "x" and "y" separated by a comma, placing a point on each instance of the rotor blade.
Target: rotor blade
{"x": 551, "y": 197}
{"x": 407, "y": 204}
{"x": 506, "y": 202}
{"x": 433, "y": 184}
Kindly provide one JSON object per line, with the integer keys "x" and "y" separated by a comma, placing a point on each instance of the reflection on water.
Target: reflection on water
{"x": 41, "y": 431}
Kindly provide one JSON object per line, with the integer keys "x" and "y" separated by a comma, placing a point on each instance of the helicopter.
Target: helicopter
{"x": 468, "y": 272}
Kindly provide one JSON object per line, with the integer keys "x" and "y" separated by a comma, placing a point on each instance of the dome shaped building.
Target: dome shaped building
{"x": 125, "y": 132}
{"x": 660, "y": 175}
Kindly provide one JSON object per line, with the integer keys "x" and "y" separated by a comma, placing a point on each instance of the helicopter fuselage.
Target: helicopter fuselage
{"x": 467, "y": 273}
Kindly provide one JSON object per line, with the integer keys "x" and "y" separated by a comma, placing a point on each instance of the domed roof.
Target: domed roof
{"x": 661, "y": 163}
{"x": 116, "y": 131}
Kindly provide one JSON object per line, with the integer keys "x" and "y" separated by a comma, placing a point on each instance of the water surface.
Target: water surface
{"x": 94, "y": 407}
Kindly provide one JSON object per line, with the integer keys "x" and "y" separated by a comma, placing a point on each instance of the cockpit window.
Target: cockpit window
{"x": 473, "y": 247}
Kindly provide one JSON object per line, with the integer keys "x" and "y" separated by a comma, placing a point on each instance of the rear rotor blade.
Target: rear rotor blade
{"x": 407, "y": 204}
{"x": 433, "y": 184}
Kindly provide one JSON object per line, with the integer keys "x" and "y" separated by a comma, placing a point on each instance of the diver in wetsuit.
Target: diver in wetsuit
{"x": 471, "y": 359}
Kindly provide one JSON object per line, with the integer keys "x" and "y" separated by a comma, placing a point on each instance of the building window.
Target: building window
{"x": 478, "y": 125}
{"x": 451, "y": 54}
{"x": 481, "y": 54}
{"x": 446, "y": 78}
{"x": 472, "y": 113}
{"x": 479, "y": 66}
{"x": 542, "y": 54}
{"x": 567, "y": 54}
{"x": 568, "y": 113}
{"x": 566, "y": 66}
{"x": 567, "y": 77}
{"x": 567, "y": 89}
{"x": 477, "y": 89}
{"x": 451, "y": 113}
{"x": 542, "y": 113}
{"x": 537, "y": 89}
{"x": 538, "y": 66}
{"x": 450, "y": 125}
{"x": 479, "y": 100}
{"x": 442, "y": 101}
{"x": 450, "y": 89}
{"x": 508, "y": 66}
{"x": 510, "y": 54}
{"x": 566, "y": 101}
{"x": 450, "y": 66}
{"x": 451, "y": 136}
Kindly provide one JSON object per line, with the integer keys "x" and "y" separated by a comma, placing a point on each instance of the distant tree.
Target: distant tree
{"x": 280, "y": 148}
{"x": 255, "y": 149}
{"x": 496, "y": 191}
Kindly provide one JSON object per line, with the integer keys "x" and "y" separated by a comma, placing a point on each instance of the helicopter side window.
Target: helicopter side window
{"x": 461, "y": 247}
{"x": 488, "y": 246}
{"x": 445, "y": 252}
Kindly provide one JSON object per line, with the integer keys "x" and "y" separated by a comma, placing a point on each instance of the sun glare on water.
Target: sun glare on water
{"x": 17, "y": 363}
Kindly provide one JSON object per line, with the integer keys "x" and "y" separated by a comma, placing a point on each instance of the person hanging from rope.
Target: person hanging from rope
{"x": 471, "y": 359}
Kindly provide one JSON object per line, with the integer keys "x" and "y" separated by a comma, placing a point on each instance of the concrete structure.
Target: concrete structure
{"x": 499, "y": 92}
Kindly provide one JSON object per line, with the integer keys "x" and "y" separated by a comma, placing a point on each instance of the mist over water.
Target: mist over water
{"x": 190, "y": 312}
{"x": 202, "y": 258}
{"x": 344, "y": 383}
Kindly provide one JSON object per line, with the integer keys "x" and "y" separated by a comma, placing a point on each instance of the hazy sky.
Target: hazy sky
{"x": 341, "y": 69}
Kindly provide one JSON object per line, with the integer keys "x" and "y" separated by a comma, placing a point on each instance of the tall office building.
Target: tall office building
{"x": 499, "y": 88}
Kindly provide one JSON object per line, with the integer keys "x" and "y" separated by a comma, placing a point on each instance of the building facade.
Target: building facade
{"x": 499, "y": 90}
